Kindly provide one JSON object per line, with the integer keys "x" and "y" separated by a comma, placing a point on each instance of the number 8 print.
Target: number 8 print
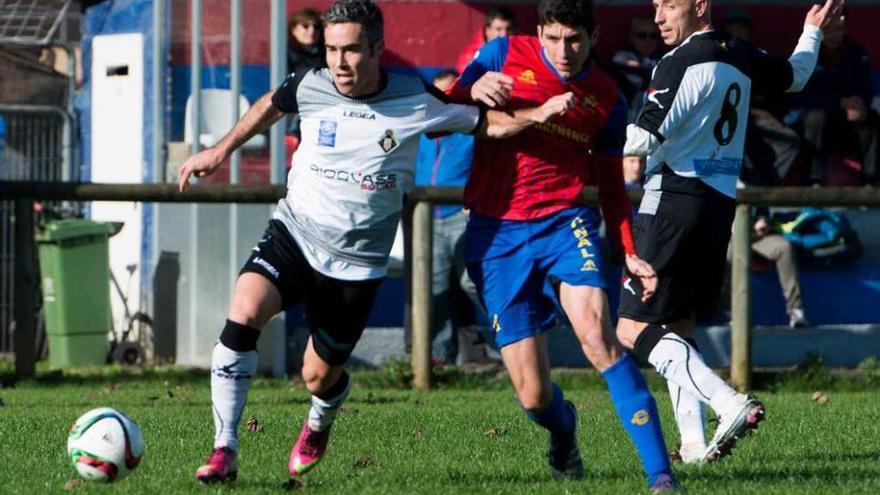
{"x": 728, "y": 116}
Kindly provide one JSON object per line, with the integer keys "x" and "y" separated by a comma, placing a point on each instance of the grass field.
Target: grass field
{"x": 445, "y": 441}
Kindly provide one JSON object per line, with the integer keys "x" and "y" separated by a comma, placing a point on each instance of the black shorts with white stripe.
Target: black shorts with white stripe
{"x": 684, "y": 236}
{"x": 337, "y": 310}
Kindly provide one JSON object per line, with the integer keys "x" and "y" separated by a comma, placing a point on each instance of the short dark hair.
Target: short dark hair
{"x": 571, "y": 13}
{"x": 502, "y": 13}
{"x": 363, "y": 12}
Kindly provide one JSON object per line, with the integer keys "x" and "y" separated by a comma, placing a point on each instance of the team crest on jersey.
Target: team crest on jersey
{"x": 527, "y": 76}
{"x": 327, "y": 133}
{"x": 590, "y": 103}
{"x": 388, "y": 143}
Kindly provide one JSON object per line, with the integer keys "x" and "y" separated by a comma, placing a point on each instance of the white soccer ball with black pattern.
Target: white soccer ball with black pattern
{"x": 105, "y": 445}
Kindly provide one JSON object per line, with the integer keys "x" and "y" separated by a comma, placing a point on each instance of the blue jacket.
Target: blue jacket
{"x": 445, "y": 162}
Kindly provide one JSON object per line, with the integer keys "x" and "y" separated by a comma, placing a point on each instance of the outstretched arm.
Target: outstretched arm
{"x": 257, "y": 119}
{"x": 806, "y": 53}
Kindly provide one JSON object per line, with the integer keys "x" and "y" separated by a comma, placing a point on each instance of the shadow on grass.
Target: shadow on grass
{"x": 480, "y": 478}
{"x": 787, "y": 474}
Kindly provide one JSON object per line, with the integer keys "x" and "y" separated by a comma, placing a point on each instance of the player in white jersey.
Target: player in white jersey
{"x": 328, "y": 241}
{"x": 692, "y": 129}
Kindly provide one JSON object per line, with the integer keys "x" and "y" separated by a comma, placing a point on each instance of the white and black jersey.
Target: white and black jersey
{"x": 354, "y": 163}
{"x": 694, "y": 118}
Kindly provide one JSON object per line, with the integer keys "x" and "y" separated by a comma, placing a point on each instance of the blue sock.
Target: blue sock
{"x": 637, "y": 412}
{"x": 556, "y": 417}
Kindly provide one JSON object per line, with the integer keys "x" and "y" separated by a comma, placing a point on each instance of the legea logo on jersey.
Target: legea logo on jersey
{"x": 527, "y": 76}
{"x": 327, "y": 133}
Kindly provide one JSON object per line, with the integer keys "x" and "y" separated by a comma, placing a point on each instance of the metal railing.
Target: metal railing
{"x": 421, "y": 200}
{"x": 37, "y": 145}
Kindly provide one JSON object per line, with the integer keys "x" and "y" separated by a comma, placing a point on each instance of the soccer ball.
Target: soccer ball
{"x": 105, "y": 445}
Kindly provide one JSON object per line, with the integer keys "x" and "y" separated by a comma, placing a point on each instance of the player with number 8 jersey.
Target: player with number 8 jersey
{"x": 692, "y": 129}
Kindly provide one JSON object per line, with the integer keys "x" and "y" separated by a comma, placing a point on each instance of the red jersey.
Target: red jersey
{"x": 545, "y": 168}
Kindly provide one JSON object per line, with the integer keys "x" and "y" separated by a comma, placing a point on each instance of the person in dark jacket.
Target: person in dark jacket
{"x": 835, "y": 108}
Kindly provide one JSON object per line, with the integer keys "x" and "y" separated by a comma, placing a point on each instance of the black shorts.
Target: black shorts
{"x": 685, "y": 240}
{"x": 337, "y": 310}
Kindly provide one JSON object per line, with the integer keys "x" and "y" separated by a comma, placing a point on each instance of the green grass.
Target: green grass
{"x": 404, "y": 442}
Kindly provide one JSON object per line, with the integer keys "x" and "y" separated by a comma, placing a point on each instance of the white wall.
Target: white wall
{"x": 118, "y": 151}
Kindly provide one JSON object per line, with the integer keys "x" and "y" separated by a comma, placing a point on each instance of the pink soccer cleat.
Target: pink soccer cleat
{"x": 222, "y": 465}
{"x": 308, "y": 450}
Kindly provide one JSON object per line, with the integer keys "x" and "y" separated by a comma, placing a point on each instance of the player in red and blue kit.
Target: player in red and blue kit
{"x": 532, "y": 242}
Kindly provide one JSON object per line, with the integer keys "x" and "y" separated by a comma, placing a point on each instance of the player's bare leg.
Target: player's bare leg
{"x": 329, "y": 385}
{"x": 587, "y": 309}
{"x": 233, "y": 364}
{"x": 677, "y": 361}
{"x": 528, "y": 364}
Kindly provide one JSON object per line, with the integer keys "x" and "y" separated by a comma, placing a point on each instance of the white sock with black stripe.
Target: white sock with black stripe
{"x": 233, "y": 364}
{"x": 681, "y": 364}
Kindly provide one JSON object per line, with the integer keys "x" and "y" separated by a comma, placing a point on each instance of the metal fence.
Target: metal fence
{"x": 36, "y": 144}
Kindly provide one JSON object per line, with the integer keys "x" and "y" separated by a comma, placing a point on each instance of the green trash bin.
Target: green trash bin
{"x": 75, "y": 271}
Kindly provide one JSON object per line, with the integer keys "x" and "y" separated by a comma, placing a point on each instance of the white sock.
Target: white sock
{"x": 681, "y": 364}
{"x": 231, "y": 373}
{"x": 323, "y": 412}
{"x": 689, "y": 417}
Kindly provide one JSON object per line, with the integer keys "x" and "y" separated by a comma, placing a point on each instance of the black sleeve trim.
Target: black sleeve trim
{"x": 770, "y": 75}
{"x": 284, "y": 98}
{"x": 662, "y": 91}
{"x": 654, "y": 133}
{"x": 482, "y": 118}
{"x": 436, "y": 93}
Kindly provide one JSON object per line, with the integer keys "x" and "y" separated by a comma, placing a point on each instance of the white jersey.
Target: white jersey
{"x": 694, "y": 118}
{"x": 355, "y": 162}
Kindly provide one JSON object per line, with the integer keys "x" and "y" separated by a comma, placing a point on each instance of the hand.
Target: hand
{"x": 556, "y": 105}
{"x": 822, "y": 16}
{"x": 201, "y": 164}
{"x": 642, "y": 270}
{"x": 493, "y": 89}
{"x": 762, "y": 228}
{"x": 855, "y": 109}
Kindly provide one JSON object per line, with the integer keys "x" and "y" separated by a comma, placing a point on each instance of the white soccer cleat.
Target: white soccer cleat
{"x": 732, "y": 427}
{"x": 691, "y": 453}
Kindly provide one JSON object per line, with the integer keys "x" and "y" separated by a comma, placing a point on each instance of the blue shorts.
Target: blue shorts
{"x": 516, "y": 266}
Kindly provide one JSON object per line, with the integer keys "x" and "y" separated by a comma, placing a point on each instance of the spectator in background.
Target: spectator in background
{"x": 446, "y": 162}
{"x": 771, "y": 147}
{"x": 631, "y": 67}
{"x": 834, "y": 107}
{"x": 499, "y": 21}
{"x": 305, "y": 43}
{"x": 305, "y": 50}
{"x": 634, "y": 64}
{"x": 773, "y": 247}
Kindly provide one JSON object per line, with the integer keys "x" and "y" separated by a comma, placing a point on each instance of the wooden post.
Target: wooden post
{"x": 421, "y": 296}
{"x": 740, "y": 301}
{"x": 25, "y": 287}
